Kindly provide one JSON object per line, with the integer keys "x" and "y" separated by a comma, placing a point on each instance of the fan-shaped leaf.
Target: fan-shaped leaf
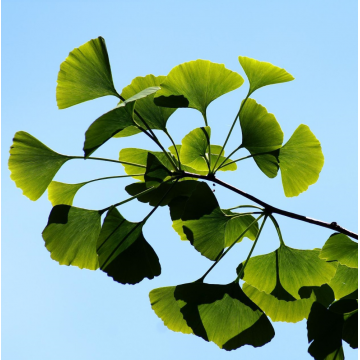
{"x": 283, "y": 272}
{"x": 33, "y": 165}
{"x": 219, "y": 313}
{"x": 198, "y": 218}
{"x": 167, "y": 308}
{"x": 261, "y": 73}
{"x": 113, "y": 122}
{"x": 156, "y": 117}
{"x": 194, "y": 151}
{"x": 85, "y": 75}
{"x": 280, "y": 310}
{"x": 341, "y": 248}
{"x": 345, "y": 281}
{"x": 123, "y": 252}
{"x": 289, "y": 310}
{"x": 71, "y": 235}
{"x": 196, "y": 84}
{"x": 61, "y": 193}
{"x": 301, "y": 161}
{"x": 261, "y": 133}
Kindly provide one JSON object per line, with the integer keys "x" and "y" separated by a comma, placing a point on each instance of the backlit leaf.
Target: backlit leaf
{"x": 290, "y": 310}
{"x": 261, "y": 73}
{"x": 196, "y": 84}
{"x": 156, "y": 172}
{"x": 114, "y": 121}
{"x": 156, "y": 117}
{"x": 301, "y": 161}
{"x": 261, "y": 133}
{"x": 341, "y": 248}
{"x": 85, "y": 75}
{"x": 33, "y": 165}
{"x": 194, "y": 151}
{"x": 283, "y": 272}
{"x": 345, "y": 281}
{"x": 124, "y": 254}
{"x": 61, "y": 193}
{"x": 219, "y": 313}
{"x": 198, "y": 218}
{"x": 71, "y": 235}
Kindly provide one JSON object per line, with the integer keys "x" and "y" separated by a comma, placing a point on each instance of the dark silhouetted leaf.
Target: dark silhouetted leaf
{"x": 156, "y": 172}
{"x": 123, "y": 252}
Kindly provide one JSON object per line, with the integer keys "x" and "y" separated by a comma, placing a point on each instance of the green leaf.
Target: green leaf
{"x": 113, "y": 122}
{"x": 198, "y": 218}
{"x": 156, "y": 117}
{"x": 261, "y": 133}
{"x": 139, "y": 156}
{"x": 156, "y": 172}
{"x": 280, "y": 310}
{"x": 194, "y": 151}
{"x": 219, "y": 313}
{"x": 301, "y": 161}
{"x": 167, "y": 308}
{"x": 341, "y": 248}
{"x": 199, "y": 82}
{"x": 261, "y": 73}
{"x": 345, "y": 281}
{"x": 212, "y": 233}
{"x": 128, "y": 131}
{"x": 268, "y": 163}
{"x": 260, "y": 130}
{"x": 106, "y": 126}
{"x": 194, "y": 148}
{"x": 283, "y": 272}
{"x": 33, "y": 165}
{"x": 85, "y": 75}
{"x": 71, "y": 235}
{"x": 123, "y": 252}
{"x": 290, "y": 310}
{"x": 62, "y": 193}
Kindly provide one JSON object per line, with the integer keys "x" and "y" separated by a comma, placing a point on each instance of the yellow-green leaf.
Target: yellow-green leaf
{"x": 301, "y": 161}
{"x": 85, "y": 75}
{"x": 71, "y": 235}
{"x": 33, "y": 165}
{"x": 199, "y": 82}
{"x": 261, "y": 73}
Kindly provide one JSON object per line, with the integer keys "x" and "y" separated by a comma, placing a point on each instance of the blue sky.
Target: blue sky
{"x": 56, "y": 312}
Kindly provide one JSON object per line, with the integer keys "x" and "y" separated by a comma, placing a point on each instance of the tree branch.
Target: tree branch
{"x": 273, "y": 210}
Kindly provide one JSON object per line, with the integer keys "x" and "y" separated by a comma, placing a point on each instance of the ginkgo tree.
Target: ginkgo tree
{"x": 288, "y": 284}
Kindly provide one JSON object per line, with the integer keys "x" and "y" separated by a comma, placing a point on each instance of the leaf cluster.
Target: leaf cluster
{"x": 285, "y": 285}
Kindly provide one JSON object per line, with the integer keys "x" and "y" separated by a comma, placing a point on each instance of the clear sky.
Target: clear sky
{"x": 52, "y": 312}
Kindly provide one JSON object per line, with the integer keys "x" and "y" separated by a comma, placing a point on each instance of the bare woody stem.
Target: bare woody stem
{"x": 273, "y": 210}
